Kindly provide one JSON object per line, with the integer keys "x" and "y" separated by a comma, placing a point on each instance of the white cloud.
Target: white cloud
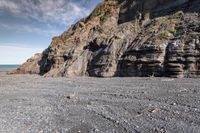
{"x": 48, "y": 31}
{"x": 16, "y": 54}
{"x": 48, "y": 11}
{"x": 10, "y": 5}
{"x": 52, "y": 15}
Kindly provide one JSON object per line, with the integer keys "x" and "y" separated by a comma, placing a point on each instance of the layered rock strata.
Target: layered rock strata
{"x": 126, "y": 38}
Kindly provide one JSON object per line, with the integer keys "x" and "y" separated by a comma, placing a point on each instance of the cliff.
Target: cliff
{"x": 126, "y": 38}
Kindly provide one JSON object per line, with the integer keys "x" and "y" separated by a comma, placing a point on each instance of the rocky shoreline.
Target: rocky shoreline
{"x": 31, "y": 103}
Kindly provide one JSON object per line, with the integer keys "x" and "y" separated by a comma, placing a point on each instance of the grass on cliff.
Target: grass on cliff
{"x": 56, "y": 41}
{"x": 178, "y": 14}
{"x": 164, "y": 35}
{"x": 171, "y": 22}
{"x": 172, "y": 30}
{"x": 194, "y": 34}
{"x": 103, "y": 10}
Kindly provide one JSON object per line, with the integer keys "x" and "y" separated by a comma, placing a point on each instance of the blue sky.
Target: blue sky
{"x": 27, "y": 26}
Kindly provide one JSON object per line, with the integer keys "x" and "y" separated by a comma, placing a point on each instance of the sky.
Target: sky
{"x": 28, "y": 26}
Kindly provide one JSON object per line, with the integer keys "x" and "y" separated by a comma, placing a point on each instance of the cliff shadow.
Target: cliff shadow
{"x": 143, "y": 9}
{"x": 44, "y": 63}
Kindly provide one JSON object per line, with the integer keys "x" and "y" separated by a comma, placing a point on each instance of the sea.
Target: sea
{"x": 6, "y": 68}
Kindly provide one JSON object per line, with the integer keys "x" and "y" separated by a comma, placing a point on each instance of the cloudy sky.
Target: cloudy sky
{"x": 27, "y": 26}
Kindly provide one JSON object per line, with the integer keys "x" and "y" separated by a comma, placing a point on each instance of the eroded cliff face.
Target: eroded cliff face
{"x": 127, "y": 38}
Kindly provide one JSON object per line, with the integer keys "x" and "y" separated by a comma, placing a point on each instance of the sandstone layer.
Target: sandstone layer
{"x": 126, "y": 38}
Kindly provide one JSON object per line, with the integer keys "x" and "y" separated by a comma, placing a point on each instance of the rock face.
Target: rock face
{"x": 127, "y": 38}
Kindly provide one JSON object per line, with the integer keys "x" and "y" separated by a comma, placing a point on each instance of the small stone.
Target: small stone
{"x": 194, "y": 91}
{"x": 96, "y": 130}
{"x": 117, "y": 121}
{"x": 71, "y": 96}
{"x": 68, "y": 97}
{"x": 174, "y": 104}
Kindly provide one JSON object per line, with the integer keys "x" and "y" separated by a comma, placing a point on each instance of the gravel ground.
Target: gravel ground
{"x": 33, "y": 104}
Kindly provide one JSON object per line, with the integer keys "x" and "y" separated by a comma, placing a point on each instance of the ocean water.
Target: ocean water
{"x": 6, "y": 68}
